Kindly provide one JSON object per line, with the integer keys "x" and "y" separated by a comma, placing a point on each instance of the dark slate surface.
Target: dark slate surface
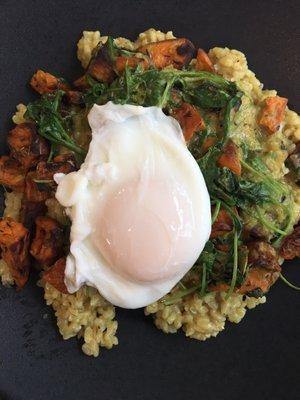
{"x": 257, "y": 359}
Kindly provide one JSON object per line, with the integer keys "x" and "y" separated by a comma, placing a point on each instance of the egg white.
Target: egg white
{"x": 131, "y": 144}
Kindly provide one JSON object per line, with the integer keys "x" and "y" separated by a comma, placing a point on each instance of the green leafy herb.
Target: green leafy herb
{"x": 46, "y": 113}
{"x": 154, "y": 88}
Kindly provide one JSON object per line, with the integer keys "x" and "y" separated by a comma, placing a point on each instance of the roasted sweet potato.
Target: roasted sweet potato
{"x": 47, "y": 245}
{"x": 263, "y": 255}
{"x": 64, "y": 163}
{"x": 132, "y": 62}
{"x": 203, "y": 63}
{"x": 36, "y": 191}
{"x": 100, "y": 67}
{"x": 290, "y": 247}
{"x": 272, "y": 113}
{"x": 81, "y": 83}
{"x": 26, "y": 145}
{"x": 189, "y": 119}
{"x": 173, "y": 52}
{"x": 263, "y": 272}
{"x": 55, "y": 276}
{"x": 12, "y": 174}
{"x": 264, "y": 267}
{"x": 208, "y": 142}
{"x": 258, "y": 278}
{"x": 30, "y": 210}
{"x": 222, "y": 225}
{"x": 230, "y": 158}
{"x": 74, "y": 97}
{"x": 43, "y": 82}
{"x": 14, "y": 243}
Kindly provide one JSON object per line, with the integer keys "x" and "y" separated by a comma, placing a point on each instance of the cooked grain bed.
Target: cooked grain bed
{"x": 86, "y": 314}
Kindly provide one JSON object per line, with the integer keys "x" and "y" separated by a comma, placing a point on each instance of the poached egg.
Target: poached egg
{"x": 139, "y": 207}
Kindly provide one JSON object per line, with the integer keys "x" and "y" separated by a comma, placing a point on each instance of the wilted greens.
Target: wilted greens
{"x": 51, "y": 122}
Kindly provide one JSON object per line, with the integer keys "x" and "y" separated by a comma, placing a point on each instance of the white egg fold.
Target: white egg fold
{"x": 139, "y": 207}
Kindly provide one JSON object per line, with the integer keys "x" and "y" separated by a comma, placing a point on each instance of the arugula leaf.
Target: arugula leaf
{"x": 154, "y": 87}
{"x": 51, "y": 124}
{"x": 206, "y": 95}
{"x": 241, "y": 192}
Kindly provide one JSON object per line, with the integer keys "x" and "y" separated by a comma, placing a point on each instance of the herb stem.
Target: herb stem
{"x": 216, "y": 211}
{"x": 230, "y": 106}
{"x": 268, "y": 224}
{"x": 289, "y": 283}
{"x": 178, "y": 295}
{"x": 235, "y": 266}
{"x": 203, "y": 281}
{"x": 164, "y": 98}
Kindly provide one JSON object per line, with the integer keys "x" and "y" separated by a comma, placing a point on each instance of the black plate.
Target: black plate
{"x": 257, "y": 359}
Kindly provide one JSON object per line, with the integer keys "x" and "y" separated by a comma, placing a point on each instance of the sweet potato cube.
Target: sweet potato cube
{"x": 230, "y": 158}
{"x": 203, "y": 62}
{"x": 26, "y": 145}
{"x": 47, "y": 245}
{"x": 43, "y": 82}
{"x": 14, "y": 243}
{"x": 172, "y": 52}
{"x": 272, "y": 113}
{"x": 55, "y": 276}
{"x": 189, "y": 119}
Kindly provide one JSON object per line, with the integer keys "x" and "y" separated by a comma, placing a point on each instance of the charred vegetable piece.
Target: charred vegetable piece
{"x": 263, "y": 255}
{"x": 189, "y": 119}
{"x": 121, "y": 62}
{"x": 290, "y": 247}
{"x": 173, "y": 52}
{"x": 55, "y": 275}
{"x": 43, "y": 82}
{"x": 12, "y": 174}
{"x": 81, "y": 83}
{"x": 100, "y": 67}
{"x": 263, "y": 272}
{"x": 26, "y": 145}
{"x": 203, "y": 62}
{"x": 64, "y": 163}
{"x": 47, "y": 245}
{"x": 74, "y": 97}
{"x": 222, "y": 225}
{"x": 258, "y": 279}
{"x": 272, "y": 113}
{"x": 30, "y": 210}
{"x": 14, "y": 243}
{"x": 36, "y": 191}
{"x": 230, "y": 158}
{"x": 264, "y": 268}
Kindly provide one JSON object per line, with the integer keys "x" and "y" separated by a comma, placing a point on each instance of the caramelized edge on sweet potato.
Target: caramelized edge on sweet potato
{"x": 12, "y": 174}
{"x": 26, "y": 145}
{"x": 55, "y": 276}
{"x": 172, "y": 52}
{"x": 63, "y": 163}
{"x": 47, "y": 245}
{"x": 290, "y": 247}
{"x": 100, "y": 67}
